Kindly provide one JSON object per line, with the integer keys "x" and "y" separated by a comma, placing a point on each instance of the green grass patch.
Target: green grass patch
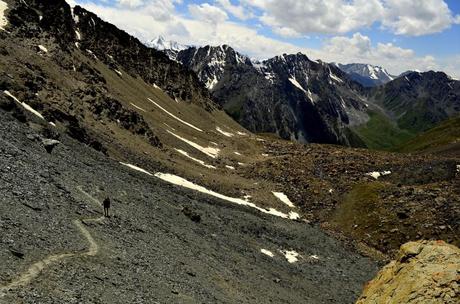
{"x": 380, "y": 133}
{"x": 446, "y": 133}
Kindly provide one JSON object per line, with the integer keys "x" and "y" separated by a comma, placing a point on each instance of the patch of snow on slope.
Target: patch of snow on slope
{"x": 77, "y": 33}
{"x": 230, "y": 167}
{"x": 118, "y": 72}
{"x": 174, "y": 116}
{"x": 211, "y": 83}
{"x": 137, "y": 107}
{"x": 228, "y": 134}
{"x": 241, "y": 133}
{"x": 195, "y": 159}
{"x": 136, "y": 168}
{"x": 291, "y": 256}
{"x": 177, "y": 180}
{"x": 283, "y": 197}
{"x": 335, "y": 77}
{"x": 209, "y": 151}
{"x": 24, "y": 105}
{"x": 237, "y": 153}
{"x": 377, "y": 174}
{"x": 294, "y": 215}
{"x": 42, "y": 48}
{"x": 297, "y": 84}
{"x": 3, "y": 20}
{"x": 267, "y": 252}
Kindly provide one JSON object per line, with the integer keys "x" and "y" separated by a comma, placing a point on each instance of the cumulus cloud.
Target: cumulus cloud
{"x": 239, "y": 11}
{"x": 359, "y": 48}
{"x": 403, "y": 17}
{"x": 207, "y": 13}
{"x": 321, "y": 16}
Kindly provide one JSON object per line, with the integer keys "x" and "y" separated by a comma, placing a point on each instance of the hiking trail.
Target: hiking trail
{"x": 35, "y": 269}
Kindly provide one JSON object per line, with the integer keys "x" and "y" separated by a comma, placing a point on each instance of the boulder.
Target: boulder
{"x": 424, "y": 272}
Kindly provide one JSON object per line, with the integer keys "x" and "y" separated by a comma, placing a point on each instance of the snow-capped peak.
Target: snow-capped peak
{"x": 161, "y": 44}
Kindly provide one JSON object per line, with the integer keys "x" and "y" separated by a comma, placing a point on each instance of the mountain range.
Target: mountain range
{"x": 313, "y": 101}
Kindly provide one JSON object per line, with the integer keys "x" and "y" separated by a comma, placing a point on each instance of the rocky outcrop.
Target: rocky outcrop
{"x": 424, "y": 272}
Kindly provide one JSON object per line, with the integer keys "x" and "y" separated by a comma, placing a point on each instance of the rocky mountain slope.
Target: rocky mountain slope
{"x": 419, "y": 101}
{"x": 288, "y": 95}
{"x": 310, "y": 101}
{"x": 366, "y": 74}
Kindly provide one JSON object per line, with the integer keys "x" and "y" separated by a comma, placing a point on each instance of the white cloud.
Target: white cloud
{"x": 207, "y": 13}
{"x": 403, "y": 17}
{"x": 359, "y": 48}
{"x": 236, "y": 10}
{"x": 130, "y": 3}
{"x": 321, "y": 16}
{"x": 406, "y": 17}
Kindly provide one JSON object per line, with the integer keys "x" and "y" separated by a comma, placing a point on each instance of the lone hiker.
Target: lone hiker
{"x": 106, "y": 204}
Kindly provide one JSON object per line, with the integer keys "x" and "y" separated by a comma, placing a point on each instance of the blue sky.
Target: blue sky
{"x": 396, "y": 34}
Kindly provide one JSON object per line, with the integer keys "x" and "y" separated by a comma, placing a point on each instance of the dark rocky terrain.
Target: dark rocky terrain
{"x": 289, "y": 95}
{"x": 311, "y": 101}
{"x": 419, "y": 101}
{"x": 149, "y": 251}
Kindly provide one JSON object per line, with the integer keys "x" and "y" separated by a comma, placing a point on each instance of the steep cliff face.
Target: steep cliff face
{"x": 289, "y": 95}
{"x": 425, "y": 272}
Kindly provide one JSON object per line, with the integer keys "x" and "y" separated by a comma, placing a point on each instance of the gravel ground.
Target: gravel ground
{"x": 150, "y": 250}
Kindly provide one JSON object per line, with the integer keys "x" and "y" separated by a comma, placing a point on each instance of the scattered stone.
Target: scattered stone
{"x": 49, "y": 144}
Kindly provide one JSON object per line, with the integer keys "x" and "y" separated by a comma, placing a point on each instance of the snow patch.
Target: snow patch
{"x": 177, "y": 180}
{"x": 174, "y": 116}
{"x": 137, "y": 107}
{"x": 209, "y": 151}
{"x": 228, "y": 134}
{"x": 237, "y": 153}
{"x": 156, "y": 87}
{"x": 42, "y": 48}
{"x": 3, "y": 20}
{"x": 77, "y": 33}
{"x": 230, "y": 167}
{"x": 267, "y": 252}
{"x": 314, "y": 257}
{"x": 377, "y": 174}
{"x": 241, "y": 133}
{"x": 283, "y": 197}
{"x": 291, "y": 256}
{"x": 136, "y": 168}
{"x": 118, "y": 72}
{"x": 294, "y": 215}
{"x": 195, "y": 159}
{"x": 297, "y": 84}
{"x": 24, "y": 105}
{"x": 333, "y": 77}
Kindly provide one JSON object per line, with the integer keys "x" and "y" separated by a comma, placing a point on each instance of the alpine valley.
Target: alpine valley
{"x": 287, "y": 180}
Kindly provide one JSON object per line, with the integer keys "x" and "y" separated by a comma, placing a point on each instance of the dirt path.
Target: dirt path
{"x": 35, "y": 269}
